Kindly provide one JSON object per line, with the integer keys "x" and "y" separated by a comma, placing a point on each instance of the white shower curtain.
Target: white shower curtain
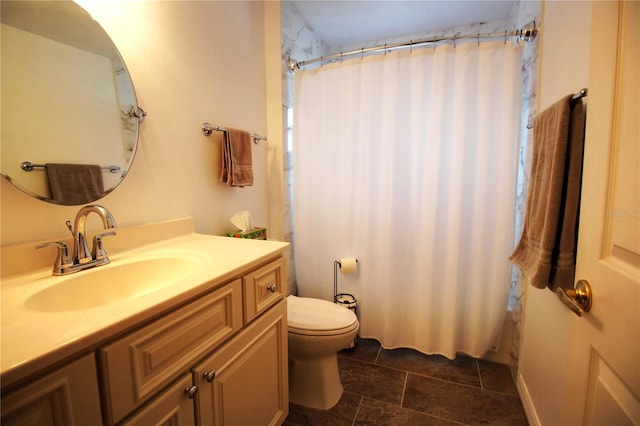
{"x": 407, "y": 161}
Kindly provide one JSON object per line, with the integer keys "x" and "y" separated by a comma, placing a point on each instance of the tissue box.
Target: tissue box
{"x": 255, "y": 234}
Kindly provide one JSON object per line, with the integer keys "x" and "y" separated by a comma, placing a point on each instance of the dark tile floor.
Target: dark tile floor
{"x": 402, "y": 387}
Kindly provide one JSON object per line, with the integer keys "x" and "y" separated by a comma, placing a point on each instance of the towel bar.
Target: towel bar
{"x": 28, "y": 166}
{"x": 581, "y": 94}
{"x": 207, "y": 129}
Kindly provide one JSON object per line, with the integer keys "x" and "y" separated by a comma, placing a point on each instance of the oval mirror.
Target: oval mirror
{"x": 70, "y": 117}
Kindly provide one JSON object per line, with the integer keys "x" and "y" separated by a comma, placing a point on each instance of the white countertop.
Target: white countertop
{"x": 33, "y": 339}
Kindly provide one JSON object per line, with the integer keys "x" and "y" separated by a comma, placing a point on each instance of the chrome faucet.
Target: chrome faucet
{"x": 83, "y": 258}
{"x": 81, "y": 253}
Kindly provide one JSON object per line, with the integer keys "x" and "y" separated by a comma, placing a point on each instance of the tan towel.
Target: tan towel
{"x": 547, "y": 247}
{"x": 236, "y": 167}
{"x": 74, "y": 184}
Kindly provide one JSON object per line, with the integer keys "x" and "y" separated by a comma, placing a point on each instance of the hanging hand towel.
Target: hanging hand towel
{"x": 74, "y": 184}
{"x": 547, "y": 248}
{"x": 236, "y": 167}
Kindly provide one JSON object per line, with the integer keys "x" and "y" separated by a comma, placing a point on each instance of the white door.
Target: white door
{"x": 604, "y": 344}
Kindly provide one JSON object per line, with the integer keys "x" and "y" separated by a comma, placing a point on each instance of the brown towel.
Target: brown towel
{"x": 547, "y": 248}
{"x": 236, "y": 158}
{"x": 74, "y": 184}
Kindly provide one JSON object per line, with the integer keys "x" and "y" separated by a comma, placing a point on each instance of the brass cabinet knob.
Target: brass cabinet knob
{"x": 191, "y": 391}
{"x": 209, "y": 375}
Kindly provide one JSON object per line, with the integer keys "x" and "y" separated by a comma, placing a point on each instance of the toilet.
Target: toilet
{"x": 318, "y": 329}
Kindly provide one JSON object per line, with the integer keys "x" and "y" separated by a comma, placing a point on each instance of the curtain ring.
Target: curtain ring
{"x": 434, "y": 43}
{"x": 321, "y": 61}
{"x": 362, "y": 53}
{"x": 385, "y": 49}
{"x": 478, "y": 39}
{"x": 505, "y": 36}
{"x": 341, "y": 56}
{"x": 410, "y": 46}
{"x": 454, "y": 40}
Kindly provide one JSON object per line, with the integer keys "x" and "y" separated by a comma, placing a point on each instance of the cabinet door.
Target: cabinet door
{"x": 250, "y": 386}
{"x": 68, "y": 396}
{"x": 172, "y": 407}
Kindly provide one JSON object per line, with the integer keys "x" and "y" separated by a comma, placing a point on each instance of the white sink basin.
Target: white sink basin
{"x": 122, "y": 279}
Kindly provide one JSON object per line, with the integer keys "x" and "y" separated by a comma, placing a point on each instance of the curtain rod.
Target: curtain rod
{"x": 527, "y": 33}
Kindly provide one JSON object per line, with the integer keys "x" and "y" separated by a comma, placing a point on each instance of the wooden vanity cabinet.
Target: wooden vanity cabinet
{"x": 244, "y": 382}
{"x": 142, "y": 363}
{"x": 220, "y": 359}
{"x": 68, "y": 396}
{"x": 202, "y": 364}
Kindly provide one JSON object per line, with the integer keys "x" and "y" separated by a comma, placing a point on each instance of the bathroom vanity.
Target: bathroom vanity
{"x": 207, "y": 344}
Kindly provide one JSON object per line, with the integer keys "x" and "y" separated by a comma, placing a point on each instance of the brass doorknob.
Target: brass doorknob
{"x": 578, "y": 299}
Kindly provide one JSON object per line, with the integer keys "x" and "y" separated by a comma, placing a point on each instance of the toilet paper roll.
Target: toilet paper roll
{"x": 348, "y": 265}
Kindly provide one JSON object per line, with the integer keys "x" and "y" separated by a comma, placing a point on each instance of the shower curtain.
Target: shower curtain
{"x": 407, "y": 161}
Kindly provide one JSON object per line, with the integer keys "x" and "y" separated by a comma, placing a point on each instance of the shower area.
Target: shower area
{"x": 427, "y": 189}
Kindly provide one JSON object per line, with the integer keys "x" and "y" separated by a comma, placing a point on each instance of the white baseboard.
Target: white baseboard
{"x": 527, "y": 403}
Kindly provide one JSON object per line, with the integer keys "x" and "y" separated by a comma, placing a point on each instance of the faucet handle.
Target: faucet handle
{"x": 98, "y": 252}
{"x": 63, "y": 260}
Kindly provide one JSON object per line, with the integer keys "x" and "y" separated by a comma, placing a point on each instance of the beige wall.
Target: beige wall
{"x": 191, "y": 62}
{"x": 564, "y": 66}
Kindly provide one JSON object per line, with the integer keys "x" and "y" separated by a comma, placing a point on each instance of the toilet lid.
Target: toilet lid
{"x": 319, "y": 315}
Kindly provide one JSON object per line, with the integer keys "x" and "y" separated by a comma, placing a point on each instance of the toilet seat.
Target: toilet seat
{"x": 316, "y": 317}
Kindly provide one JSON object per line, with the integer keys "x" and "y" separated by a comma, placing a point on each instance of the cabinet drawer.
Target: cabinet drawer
{"x": 262, "y": 288}
{"x": 140, "y": 364}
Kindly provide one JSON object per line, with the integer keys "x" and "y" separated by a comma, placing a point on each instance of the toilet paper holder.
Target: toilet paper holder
{"x": 337, "y": 264}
